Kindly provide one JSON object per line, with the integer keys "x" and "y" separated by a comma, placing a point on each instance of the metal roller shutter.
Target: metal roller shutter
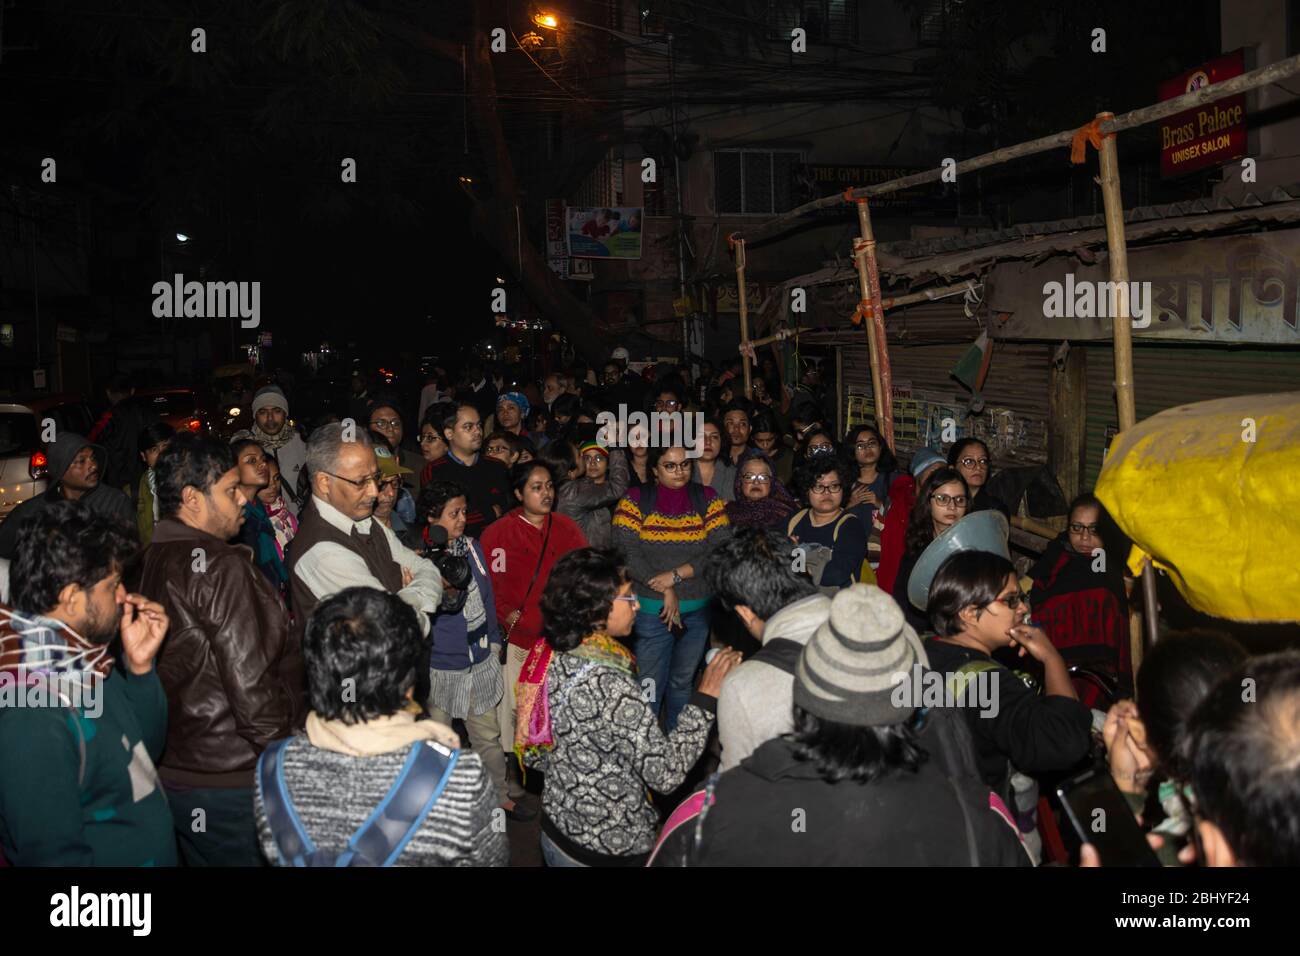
{"x": 925, "y": 343}
{"x": 1165, "y": 376}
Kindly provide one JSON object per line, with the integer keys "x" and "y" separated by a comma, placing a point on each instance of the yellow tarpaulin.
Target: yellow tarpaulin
{"x": 1211, "y": 492}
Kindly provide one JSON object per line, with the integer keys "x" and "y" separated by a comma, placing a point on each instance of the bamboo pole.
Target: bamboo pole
{"x": 1121, "y": 330}
{"x": 898, "y": 301}
{"x": 738, "y": 245}
{"x": 864, "y": 253}
{"x": 1263, "y": 76}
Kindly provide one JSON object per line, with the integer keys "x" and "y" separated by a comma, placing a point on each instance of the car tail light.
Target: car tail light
{"x": 38, "y": 466}
{"x": 194, "y": 424}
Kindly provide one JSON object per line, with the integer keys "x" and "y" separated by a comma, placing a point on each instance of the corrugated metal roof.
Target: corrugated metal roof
{"x": 918, "y": 262}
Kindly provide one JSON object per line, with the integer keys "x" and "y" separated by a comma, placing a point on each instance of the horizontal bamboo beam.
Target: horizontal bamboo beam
{"x": 1264, "y": 76}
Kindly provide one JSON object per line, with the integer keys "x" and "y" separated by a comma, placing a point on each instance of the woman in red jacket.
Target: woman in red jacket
{"x": 521, "y": 548}
{"x": 902, "y": 496}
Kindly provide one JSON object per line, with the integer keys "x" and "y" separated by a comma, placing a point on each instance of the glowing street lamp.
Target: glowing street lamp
{"x": 547, "y": 21}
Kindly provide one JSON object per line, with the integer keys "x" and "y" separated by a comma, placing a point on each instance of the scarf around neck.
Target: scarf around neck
{"x": 532, "y": 694}
{"x": 770, "y": 512}
{"x": 273, "y": 442}
{"x": 378, "y": 736}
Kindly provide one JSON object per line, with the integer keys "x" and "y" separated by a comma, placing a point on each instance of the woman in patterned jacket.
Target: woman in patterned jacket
{"x": 584, "y": 722}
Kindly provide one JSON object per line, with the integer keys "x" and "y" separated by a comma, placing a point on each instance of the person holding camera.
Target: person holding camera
{"x": 465, "y": 673}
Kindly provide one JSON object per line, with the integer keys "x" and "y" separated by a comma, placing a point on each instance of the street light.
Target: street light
{"x": 549, "y": 21}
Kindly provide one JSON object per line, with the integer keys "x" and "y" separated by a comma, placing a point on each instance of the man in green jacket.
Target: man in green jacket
{"x": 79, "y": 731}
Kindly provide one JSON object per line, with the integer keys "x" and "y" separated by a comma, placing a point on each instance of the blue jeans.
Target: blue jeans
{"x": 554, "y": 856}
{"x": 670, "y": 660}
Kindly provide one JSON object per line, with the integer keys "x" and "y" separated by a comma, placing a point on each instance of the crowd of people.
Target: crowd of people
{"x": 355, "y": 643}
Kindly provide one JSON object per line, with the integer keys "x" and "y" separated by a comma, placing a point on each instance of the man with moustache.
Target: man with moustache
{"x": 231, "y": 669}
{"x": 80, "y": 786}
{"x": 340, "y": 545}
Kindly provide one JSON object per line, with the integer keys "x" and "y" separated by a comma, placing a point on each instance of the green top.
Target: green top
{"x": 57, "y": 809}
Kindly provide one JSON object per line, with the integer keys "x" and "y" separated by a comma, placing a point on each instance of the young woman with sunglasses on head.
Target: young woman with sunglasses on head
{"x": 976, "y": 608}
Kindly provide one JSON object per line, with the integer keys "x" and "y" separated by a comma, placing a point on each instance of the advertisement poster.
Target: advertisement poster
{"x": 1207, "y": 135}
{"x": 610, "y": 233}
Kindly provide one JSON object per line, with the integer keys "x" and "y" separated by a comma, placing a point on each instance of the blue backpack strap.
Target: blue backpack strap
{"x": 382, "y": 838}
{"x": 290, "y": 836}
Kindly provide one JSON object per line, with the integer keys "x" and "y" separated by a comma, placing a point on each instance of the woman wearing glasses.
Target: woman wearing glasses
{"x": 589, "y": 498}
{"x": 1078, "y": 594}
{"x": 976, "y": 608}
{"x": 943, "y": 501}
{"x": 825, "y": 524}
{"x": 584, "y": 720}
{"x": 667, "y": 530}
{"x": 387, "y": 422}
{"x": 761, "y": 500}
{"x": 970, "y": 457}
{"x": 873, "y": 466}
{"x": 816, "y": 443}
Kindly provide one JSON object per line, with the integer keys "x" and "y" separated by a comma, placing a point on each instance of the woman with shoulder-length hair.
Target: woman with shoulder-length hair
{"x": 583, "y": 719}
{"x": 971, "y": 458}
{"x": 362, "y": 648}
{"x": 667, "y": 530}
{"x": 872, "y": 468}
{"x": 521, "y": 547}
{"x": 942, "y": 501}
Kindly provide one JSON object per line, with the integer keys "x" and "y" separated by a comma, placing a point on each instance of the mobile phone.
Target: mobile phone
{"x": 1101, "y": 816}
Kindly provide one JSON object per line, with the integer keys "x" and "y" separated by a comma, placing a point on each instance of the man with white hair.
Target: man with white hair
{"x": 339, "y": 544}
{"x": 274, "y": 433}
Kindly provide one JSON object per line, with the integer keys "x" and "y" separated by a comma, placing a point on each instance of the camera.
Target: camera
{"x": 454, "y": 569}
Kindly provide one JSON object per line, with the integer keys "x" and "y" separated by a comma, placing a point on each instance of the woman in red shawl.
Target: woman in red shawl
{"x": 1078, "y": 597}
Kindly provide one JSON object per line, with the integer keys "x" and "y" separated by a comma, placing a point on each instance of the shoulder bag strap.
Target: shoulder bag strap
{"x": 541, "y": 557}
{"x": 971, "y": 848}
{"x": 382, "y": 838}
{"x": 291, "y": 839}
{"x": 794, "y": 521}
{"x": 781, "y": 652}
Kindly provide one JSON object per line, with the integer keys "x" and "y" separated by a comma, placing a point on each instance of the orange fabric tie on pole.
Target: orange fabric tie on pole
{"x": 1089, "y": 134}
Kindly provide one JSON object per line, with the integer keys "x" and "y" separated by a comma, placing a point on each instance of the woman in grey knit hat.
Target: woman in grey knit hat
{"x": 853, "y": 785}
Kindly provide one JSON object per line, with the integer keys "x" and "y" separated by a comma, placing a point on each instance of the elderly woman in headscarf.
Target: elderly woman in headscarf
{"x": 760, "y": 498}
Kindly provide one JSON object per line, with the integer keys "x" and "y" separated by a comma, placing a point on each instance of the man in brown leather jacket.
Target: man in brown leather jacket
{"x": 231, "y": 669}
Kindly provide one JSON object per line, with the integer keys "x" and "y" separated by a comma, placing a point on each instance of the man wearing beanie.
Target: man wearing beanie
{"x": 854, "y": 783}
{"x": 274, "y": 433}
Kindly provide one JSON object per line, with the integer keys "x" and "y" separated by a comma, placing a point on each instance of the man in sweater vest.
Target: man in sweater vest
{"x": 339, "y": 545}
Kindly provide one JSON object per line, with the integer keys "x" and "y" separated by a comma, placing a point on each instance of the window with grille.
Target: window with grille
{"x": 753, "y": 182}
{"x": 825, "y": 21}
{"x": 937, "y": 20}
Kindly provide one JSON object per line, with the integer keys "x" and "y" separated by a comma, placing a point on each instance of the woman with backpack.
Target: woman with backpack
{"x": 666, "y": 530}
{"x": 833, "y": 540}
{"x": 363, "y": 733}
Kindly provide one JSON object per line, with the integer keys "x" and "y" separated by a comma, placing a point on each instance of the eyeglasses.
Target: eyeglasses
{"x": 498, "y": 450}
{"x": 386, "y": 423}
{"x": 972, "y": 462}
{"x": 820, "y": 449}
{"x": 361, "y": 483}
{"x": 945, "y": 500}
{"x": 756, "y": 479}
{"x": 670, "y": 404}
{"x": 426, "y": 439}
{"x": 594, "y": 456}
{"x": 864, "y": 445}
{"x": 1088, "y": 529}
{"x": 390, "y": 484}
{"x": 673, "y": 467}
{"x": 834, "y": 489}
{"x": 1013, "y": 601}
